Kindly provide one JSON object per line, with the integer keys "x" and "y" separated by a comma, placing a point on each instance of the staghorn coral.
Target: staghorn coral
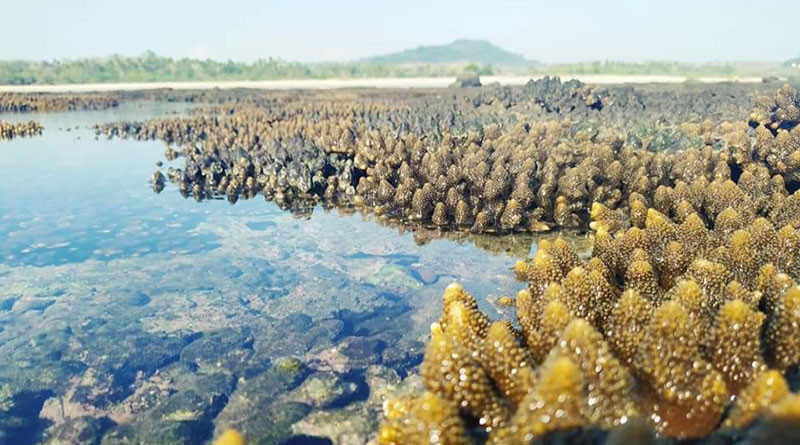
{"x": 645, "y": 362}
{"x": 507, "y": 362}
{"x": 554, "y": 318}
{"x": 607, "y": 384}
{"x": 37, "y": 102}
{"x": 627, "y": 325}
{"x": 451, "y": 372}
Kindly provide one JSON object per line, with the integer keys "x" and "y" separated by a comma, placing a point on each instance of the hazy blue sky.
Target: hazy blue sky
{"x": 305, "y": 30}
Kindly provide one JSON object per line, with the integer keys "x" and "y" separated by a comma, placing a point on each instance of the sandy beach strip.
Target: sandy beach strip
{"x": 320, "y": 84}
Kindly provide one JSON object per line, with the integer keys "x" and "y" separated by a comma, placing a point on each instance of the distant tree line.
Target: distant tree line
{"x": 150, "y": 67}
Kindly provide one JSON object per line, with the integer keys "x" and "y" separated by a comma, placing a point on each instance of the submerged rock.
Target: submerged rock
{"x": 392, "y": 276}
{"x": 254, "y": 410}
{"x": 225, "y": 350}
{"x": 298, "y": 334}
{"x": 362, "y": 351}
{"x": 323, "y": 389}
{"x": 84, "y": 430}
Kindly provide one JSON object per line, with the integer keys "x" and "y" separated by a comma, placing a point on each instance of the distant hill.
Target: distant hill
{"x": 792, "y": 63}
{"x": 460, "y": 51}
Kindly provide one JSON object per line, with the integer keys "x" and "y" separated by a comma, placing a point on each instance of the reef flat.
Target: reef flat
{"x": 39, "y": 102}
{"x": 664, "y": 309}
{"x": 488, "y": 160}
{"x": 681, "y": 326}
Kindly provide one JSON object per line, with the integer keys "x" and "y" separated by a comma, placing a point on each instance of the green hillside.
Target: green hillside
{"x": 460, "y": 51}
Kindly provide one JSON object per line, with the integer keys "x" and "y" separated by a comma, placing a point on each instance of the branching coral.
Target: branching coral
{"x": 688, "y": 339}
{"x": 9, "y": 130}
{"x": 33, "y": 102}
{"x": 444, "y": 162}
{"x": 767, "y": 388}
{"x": 735, "y": 346}
{"x": 687, "y": 395}
{"x": 557, "y": 402}
{"x": 425, "y": 419}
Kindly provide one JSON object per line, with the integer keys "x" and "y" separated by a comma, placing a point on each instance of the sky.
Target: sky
{"x": 313, "y": 31}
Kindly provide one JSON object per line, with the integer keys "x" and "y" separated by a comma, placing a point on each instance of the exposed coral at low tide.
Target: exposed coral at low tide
{"x": 9, "y": 130}
{"x": 691, "y": 326}
{"x": 454, "y": 162}
{"x": 33, "y": 102}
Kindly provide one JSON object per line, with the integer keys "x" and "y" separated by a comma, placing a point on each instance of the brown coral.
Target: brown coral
{"x": 688, "y": 396}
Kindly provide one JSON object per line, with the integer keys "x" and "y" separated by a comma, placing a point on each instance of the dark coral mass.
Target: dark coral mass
{"x": 493, "y": 160}
{"x": 10, "y": 130}
{"x": 38, "y": 102}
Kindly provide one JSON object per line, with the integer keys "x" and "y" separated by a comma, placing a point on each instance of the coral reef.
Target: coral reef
{"x": 687, "y": 326}
{"x": 10, "y": 130}
{"x": 453, "y": 163}
{"x": 35, "y": 102}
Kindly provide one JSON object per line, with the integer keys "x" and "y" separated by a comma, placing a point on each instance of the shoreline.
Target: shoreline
{"x": 326, "y": 84}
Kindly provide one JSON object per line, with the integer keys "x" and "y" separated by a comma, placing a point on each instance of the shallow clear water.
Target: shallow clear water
{"x": 120, "y": 307}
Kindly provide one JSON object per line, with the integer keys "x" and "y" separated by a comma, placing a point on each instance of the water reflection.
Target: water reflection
{"x": 122, "y": 310}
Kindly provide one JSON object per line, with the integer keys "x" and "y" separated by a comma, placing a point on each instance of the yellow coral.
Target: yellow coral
{"x": 450, "y": 371}
{"x": 762, "y": 393}
{"x": 693, "y": 234}
{"x": 743, "y": 263}
{"x": 735, "y": 348}
{"x": 640, "y": 276}
{"x": 556, "y": 403}
{"x": 783, "y": 327}
{"x": 563, "y": 255}
{"x": 461, "y": 310}
{"x": 542, "y": 271}
{"x": 605, "y": 218}
{"x": 712, "y": 277}
{"x": 554, "y": 319}
{"x": 660, "y": 232}
{"x": 425, "y": 419}
{"x": 627, "y": 324}
{"x": 607, "y": 383}
{"x": 687, "y": 395}
{"x": 772, "y": 285}
{"x": 230, "y": 437}
{"x": 787, "y": 251}
{"x": 508, "y": 364}
{"x": 676, "y": 260}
